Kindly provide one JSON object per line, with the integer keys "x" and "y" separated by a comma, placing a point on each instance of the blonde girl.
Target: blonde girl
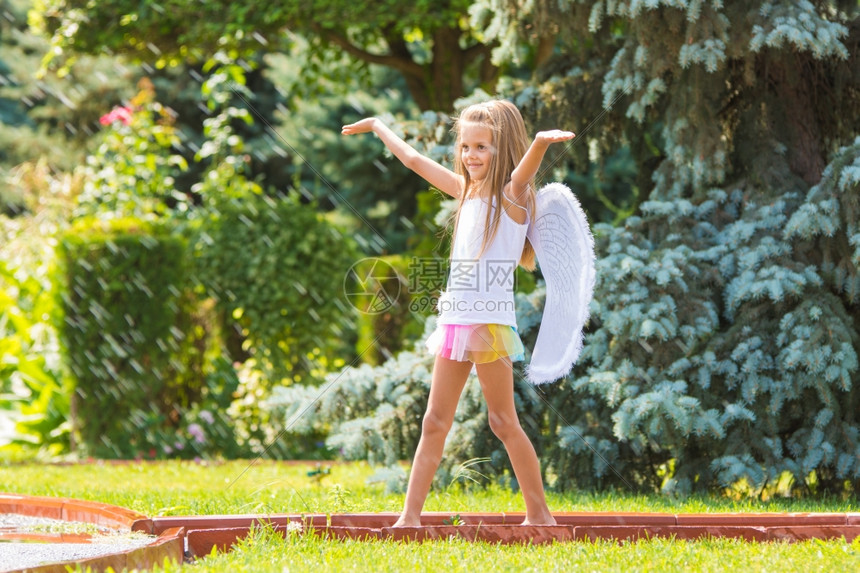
{"x": 494, "y": 169}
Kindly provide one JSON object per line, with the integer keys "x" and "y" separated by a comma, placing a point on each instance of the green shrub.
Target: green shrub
{"x": 32, "y": 387}
{"x": 275, "y": 269}
{"x": 122, "y": 303}
{"x": 34, "y": 390}
{"x": 133, "y": 169}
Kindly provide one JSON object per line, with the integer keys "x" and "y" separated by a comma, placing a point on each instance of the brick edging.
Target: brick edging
{"x": 68, "y": 509}
{"x": 202, "y": 533}
{"x": 221, "y": 532}
{"x": 168, "y": 545}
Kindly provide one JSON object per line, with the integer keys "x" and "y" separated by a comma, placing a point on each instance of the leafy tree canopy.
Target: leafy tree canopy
{"x": 430, "y": 43}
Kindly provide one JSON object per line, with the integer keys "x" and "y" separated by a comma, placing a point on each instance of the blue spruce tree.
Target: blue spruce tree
{"x": 723, "y": 343}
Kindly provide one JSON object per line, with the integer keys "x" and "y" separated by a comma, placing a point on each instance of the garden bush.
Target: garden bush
{"x": 32, "y": 387}
{"x": 123, "y": 288}
{"x": 275, "y": 269}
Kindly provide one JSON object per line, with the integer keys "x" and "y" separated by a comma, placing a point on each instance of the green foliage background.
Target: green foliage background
{"x": 717, "y": 156}
{"x": 275, "y": 267}
{"x": 120, "y": 322}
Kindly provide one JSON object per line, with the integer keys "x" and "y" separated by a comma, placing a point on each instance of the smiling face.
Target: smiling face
{"x": 476, "y": 150}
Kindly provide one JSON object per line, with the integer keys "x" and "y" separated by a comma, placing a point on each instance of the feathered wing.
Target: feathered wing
{"x": 564, "y": 248}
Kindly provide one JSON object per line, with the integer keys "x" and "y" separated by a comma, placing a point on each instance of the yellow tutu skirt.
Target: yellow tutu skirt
{"x": 477, "y": 343}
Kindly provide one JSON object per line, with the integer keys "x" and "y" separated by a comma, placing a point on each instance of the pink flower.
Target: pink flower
{"x": 121, "y": 114}
{"x": 196, "y": 432}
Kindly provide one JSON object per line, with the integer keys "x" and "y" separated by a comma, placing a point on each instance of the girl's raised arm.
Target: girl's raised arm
{"x": 437, "y": 175}
{"x": 528, "y": 166}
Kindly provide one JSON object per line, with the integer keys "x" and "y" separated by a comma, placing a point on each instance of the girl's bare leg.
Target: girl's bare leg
{"x": 449, "y": 378}
{"x": 497, "y": 384}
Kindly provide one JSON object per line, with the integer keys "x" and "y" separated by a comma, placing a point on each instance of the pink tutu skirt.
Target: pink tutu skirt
{"x": 477, "y": 343}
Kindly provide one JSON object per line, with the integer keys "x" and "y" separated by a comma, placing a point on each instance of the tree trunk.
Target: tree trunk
{"x": 446, "y": 70}
{"x": 437, "y": 84}
{"x": 793, "y": 83}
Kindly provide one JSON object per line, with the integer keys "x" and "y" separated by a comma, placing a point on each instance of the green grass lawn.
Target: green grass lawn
{"x": 176, "y": 488}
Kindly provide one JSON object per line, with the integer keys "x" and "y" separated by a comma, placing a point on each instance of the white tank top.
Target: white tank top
{"x": 480, "y": 290}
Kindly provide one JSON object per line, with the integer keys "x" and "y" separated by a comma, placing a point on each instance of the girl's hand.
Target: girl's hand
{"x": 528, "y": 166}
{"x": 363, "y": 126}
{"x": 554, "y": 136}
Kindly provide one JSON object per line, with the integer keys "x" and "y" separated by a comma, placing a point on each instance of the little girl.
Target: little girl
{"x": 494, "y": 168}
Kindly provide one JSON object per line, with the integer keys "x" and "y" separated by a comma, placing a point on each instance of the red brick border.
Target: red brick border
{"x": 169, "y": 545}
{"x": 201, "y": 534}
{"x": 68, "y": 509}
{"x": 222, "y": 532}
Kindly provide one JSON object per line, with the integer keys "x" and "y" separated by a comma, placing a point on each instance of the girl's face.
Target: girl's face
{"x": 476, "y": 150}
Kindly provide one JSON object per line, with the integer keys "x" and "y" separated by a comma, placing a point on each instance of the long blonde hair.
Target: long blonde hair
{"x": 510, "y": 142}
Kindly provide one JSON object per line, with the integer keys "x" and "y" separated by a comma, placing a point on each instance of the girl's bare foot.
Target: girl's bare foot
{"x": 548, "y": 519}
{"x": 405, "y": 521}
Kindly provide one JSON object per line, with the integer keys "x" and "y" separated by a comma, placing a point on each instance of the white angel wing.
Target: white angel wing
{"x": 564, "y": 247}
